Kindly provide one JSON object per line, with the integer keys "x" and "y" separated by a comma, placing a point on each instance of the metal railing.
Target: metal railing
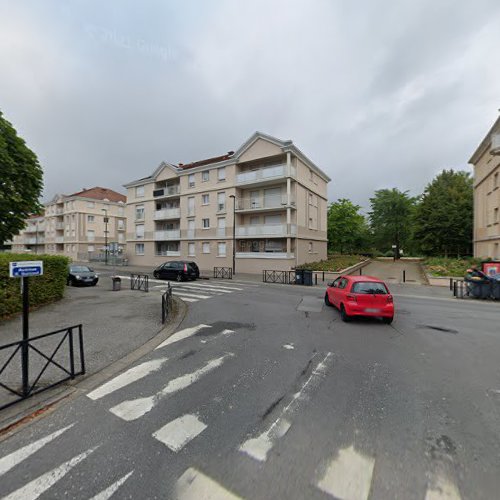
{"x": 166, "y": 304}
{"x": 22, "y": 348}
{"x": 283, "y": 277}
{"x": 223, "y": 272}
{"x": 139, "y": 282}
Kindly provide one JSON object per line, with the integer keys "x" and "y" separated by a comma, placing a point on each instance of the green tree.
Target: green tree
{"x": 21, "y": 181}
{"x": 444, "y": 215}
{"x": 391, "y": 219}
{"x": 347, "y": 228}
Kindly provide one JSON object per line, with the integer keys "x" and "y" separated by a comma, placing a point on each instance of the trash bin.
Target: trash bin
{"x": 307, "y": 280}
{"x": 299, "y": 276}
{"x": 495, "y": 289}
{"x": 117, "y": 283}
{"x": 479, "y": 289}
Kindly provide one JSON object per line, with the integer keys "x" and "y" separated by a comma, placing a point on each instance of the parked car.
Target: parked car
{"x": 179, "y": 270}
{"x": 81, "y": 275}
{"x": 360, "y": 296}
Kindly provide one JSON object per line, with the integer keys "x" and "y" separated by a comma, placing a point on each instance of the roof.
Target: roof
{"x": 480, "y": 150}
{"x": 208, "y": 161}
{"x": 100, "y": 193}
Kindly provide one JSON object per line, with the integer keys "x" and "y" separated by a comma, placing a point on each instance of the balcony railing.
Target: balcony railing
{"x": 264, "y": 255}
{"x": 266, "y": 230}
{"x": 166, "y": 191}
{"x": 34, "y": 241}
{"x": 263, "y": 174}
{"x": 263, "y": 203}
{"x": 59, "y": 225}
{"x": 169, "y": 234}
{"x": 168, "y": 253}
{"x": 59, "y": 239}
{"x": 167, "y": 213}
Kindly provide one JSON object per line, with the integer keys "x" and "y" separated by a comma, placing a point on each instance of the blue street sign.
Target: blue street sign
{"x": 25, "y": 268}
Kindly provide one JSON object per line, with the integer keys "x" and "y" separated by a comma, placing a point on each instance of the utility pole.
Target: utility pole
{"x": 234, "y": 232}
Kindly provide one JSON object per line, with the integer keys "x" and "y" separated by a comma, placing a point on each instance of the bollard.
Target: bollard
{"x": 404, "y": 275}
{"x": 451, "y": 283}
{"x": 360, "y": 271}
{"x": 454, "y": 289}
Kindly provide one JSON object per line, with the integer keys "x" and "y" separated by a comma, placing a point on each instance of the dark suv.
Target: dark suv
{"x": 177, "y": 270}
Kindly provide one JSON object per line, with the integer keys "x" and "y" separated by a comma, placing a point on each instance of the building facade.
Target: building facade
{"x": 486, "y": 163}
{"x": 268, "y": 192}
{"x": 77, "y": 225}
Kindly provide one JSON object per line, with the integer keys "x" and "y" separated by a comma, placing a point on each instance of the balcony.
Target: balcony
{"x": 253, "y": 230}
{"x": 263, "y": 174}
{"x": 59, "y": 239}
{"x": 169, "y": 234}
{"x": 166, "y": 191}
{"x": 34, "y": 241}
{"x": 168, "y": 253}
{"x": 264, "y": 255}
{"x": 59, "y": 211}
{"x": 59, "y": 225}
{"x": 167, "y": 213}
{"x": 262, "y": 204}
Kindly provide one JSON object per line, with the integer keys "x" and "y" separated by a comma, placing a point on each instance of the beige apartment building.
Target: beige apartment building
{"x": 75, "y": 225}
{"x": 268, "y": 192}
{"x": 486, "y": 163}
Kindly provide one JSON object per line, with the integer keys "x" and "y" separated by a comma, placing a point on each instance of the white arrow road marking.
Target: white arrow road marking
{"x": 193, "y": 485}
{"x": 110, "y": 491}
{"x": 135, "y": 408}
{"x": 179, "y": 432}
{"x": 182, "y": 334}
{"x": 349, "y": 475}
{"x": 42, "y": 483}
{"x": 126, "y": 378}
{"x": 259, "y": 447}
{"x": 16, "y": 457}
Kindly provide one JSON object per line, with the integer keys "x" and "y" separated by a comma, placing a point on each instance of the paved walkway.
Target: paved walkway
{"x": 392, "y": 272}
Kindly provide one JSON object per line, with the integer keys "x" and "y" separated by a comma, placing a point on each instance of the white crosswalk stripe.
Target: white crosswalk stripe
{"x": 194, "y": 485}
{"x": 38, "y": 486}
{"x": 190, "y": 294}
{"x": 177, "y": 433}
{"x": 11, "y": 460}
{"x": 111, "y": 490}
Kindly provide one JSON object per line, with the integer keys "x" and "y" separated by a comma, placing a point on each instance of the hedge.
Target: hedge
{"x": 334, "y": 263}
{"x": 43, "y": 289}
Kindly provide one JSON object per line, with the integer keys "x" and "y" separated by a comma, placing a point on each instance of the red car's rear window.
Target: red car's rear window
{"x": 369, "y": 287}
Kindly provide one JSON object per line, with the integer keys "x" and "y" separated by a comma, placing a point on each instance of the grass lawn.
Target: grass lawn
{"x": 443, "y": 266}
{"x": 334, "y": 263}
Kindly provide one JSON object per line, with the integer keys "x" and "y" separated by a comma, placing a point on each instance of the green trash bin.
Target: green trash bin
{"x": 299, "y": 276}
{"x": 308, "y": 277}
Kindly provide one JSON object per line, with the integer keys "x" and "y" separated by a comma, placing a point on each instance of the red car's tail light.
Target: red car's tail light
{"x": 390, "y": 299}
{"x": 352, "y": 297}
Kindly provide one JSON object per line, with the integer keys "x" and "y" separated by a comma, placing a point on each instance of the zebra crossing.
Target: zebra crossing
{"x": 347, "y": 473}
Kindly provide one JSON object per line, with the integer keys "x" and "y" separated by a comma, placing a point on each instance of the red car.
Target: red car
{"x": 360, "y": 296}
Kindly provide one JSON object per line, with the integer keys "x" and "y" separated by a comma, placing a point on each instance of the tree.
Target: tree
{"x": 444, "y": 215}
{"x": 347, "y": 228}
{"x": 21, "y": 181}
{"x": 391, "y": 219}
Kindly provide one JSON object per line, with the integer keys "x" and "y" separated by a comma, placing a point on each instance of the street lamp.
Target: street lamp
{"x": 106, "y": 219}
{"x": 234, "y": 232}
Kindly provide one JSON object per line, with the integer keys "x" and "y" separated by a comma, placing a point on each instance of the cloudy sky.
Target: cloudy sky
{"x": 377, "y": 93}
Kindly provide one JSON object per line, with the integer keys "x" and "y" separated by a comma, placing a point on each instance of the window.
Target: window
{"x": 139, "y": 248}
{"x": 191, "y": 205}
{"x": 90, "y": 218}
{"x": 310, "y": 247}
{"x": 191, "y": 180}
{"x": 121, "y": 238}
{"x": 72, "y": 248}
{"x": 139, "y": 191}
{"x": 495, "y": 215}
{"x": 221, "y": 174}
{"x": 205, "y": 199}
{"x": 221, "y": 227}
{"x": 221, "y": 201}
{"x": 254, "y": 219}
{"x": 205, "y": 223}
{"x": 121, "y": 224}
{"x": 205, "y": 247}
{"x": 221, "y": 249}
{"x": 139, "y": 231}
{"x": 495, "y": 180}
{"x": 205, "y": 176}
{"x": 311, "y": 175}
{"x": 191, "y": 249}
{"x": 121, "y": 211}
{"x": 90, "y": 204}
{"x": 90, "y": 235}
{"x": 139, "y": 212}
{"x": 91, "y": 248}
{"x": 73, "y": 233}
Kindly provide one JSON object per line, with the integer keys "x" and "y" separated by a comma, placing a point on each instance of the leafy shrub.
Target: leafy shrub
{"x": 334, "y": 263}
{"x": 445, "y": 266}
{"x": 42, "y": 289}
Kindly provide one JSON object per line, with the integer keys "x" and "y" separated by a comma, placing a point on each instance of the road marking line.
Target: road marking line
{"x": 16, "y": 457}
{"x": 194, "y": 485}
{"x": 42, "y": 483}
{"x": 110, "y": 491}
{"x": 187, "y": 299}
{"x": 289, "y": 346}
{"x": 259, "y": 447}
{"x": 179, "y": 432}
{"x": 442, "y": 489}
{"x": 182, "y": 334}
{"x": 126, "y": 378}
{"x": 136, "y": 408}
{"x": 218, "y": 287}
{"x": 349, "y": 475}
{"x": 191, "y": 295}
{"x": 197, "y": 289}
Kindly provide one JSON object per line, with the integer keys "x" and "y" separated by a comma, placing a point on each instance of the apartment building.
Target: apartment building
{"x": 76, "y": 225}
{"x": 486, "y": 163}
{"x": 268, "y": 192}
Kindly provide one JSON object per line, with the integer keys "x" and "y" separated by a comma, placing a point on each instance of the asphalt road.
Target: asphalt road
{"x": 265, "y": 393}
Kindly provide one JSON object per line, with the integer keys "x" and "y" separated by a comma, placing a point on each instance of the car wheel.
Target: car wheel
{"x": 179, "y": 277}
{"x": 388, "y": 320}
{"x": 327, "y": 300}
{"x": 343, "y": 315}
{"x": 155, "y": 275}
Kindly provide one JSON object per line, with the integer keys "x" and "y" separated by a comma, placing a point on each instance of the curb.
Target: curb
{"x": 49, "y": 402}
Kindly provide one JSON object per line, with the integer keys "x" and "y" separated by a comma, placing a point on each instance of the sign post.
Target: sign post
{"x": 24, "y": 270}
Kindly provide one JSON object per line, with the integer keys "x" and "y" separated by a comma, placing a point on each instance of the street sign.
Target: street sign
{"x": 25, "y": 268}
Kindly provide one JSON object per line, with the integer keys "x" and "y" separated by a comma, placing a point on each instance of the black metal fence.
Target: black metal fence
{"x": 21, "y": 384}
{"x": 283, "y": 277}
{"x": 166, "y": 304}
{"x": 139, "y": 282}
{"x": 223, "y": 272}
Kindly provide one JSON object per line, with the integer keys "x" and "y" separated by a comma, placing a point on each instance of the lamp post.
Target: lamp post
{"x": 234, "y": 232}
{"x": 106, "y": 219}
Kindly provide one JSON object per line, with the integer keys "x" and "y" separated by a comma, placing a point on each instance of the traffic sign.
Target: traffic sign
{"x": 25, "y": 268}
